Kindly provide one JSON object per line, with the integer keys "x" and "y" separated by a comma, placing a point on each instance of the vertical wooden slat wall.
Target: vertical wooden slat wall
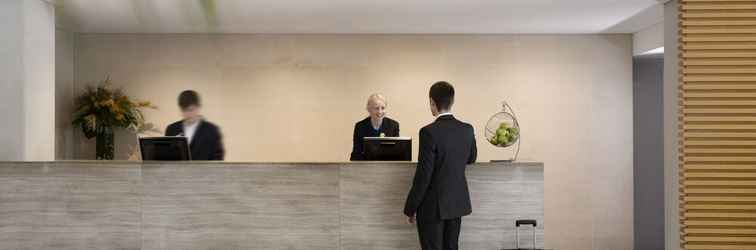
{"x": 718, "y": 124}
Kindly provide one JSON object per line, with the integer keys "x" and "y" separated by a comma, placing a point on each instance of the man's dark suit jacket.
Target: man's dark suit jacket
{"x": 206, "y": 144}
{"x": 439, "y": 190}
{"x": 364, "y": 129}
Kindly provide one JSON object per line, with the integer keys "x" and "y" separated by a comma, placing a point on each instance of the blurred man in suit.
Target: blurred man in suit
{"x": 439, "y": 196}
{"x": 375, "y": 125}
{"x": 205, "y": 140}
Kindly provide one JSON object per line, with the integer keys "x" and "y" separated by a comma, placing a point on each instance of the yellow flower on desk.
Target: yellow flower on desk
{"x": 383, "y": 134}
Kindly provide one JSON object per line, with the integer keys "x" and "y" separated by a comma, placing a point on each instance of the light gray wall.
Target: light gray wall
{"x": 39, "y": 80}
{"x": 649, "y": 38}
{"x": 64, "y": 87}
{"x": 648, "y": 152}
{"x": 27, "y": 76}
{"x": 671, "y": 211}
{"x": 11, "y": 81}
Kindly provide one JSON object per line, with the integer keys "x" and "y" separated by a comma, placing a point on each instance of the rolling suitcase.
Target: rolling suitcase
{"x": 519, "y": 223}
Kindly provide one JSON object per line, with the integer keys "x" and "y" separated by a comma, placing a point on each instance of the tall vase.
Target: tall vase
{"x": 106, "y": 144}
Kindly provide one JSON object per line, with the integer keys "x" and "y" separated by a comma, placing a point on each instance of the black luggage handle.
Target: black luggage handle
{"x": 526, "y": 222}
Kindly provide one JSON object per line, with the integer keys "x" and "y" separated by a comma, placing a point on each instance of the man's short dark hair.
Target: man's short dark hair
{"x": 188, "y": 98}
{"x": 442, "y": 93}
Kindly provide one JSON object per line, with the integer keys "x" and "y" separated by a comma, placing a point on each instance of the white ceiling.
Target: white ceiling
{"x": 356, "y": 16}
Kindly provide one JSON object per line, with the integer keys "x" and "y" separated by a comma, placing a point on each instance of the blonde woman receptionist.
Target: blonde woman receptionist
{"x": 375, "y": 125}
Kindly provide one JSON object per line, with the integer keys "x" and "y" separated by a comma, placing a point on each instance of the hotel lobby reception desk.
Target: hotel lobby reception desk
{"x": 196, "y": 205}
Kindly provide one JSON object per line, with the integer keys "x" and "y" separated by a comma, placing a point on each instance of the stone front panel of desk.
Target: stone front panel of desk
{"x": 123, "y": 205}
{"x": 70, "y": 206}
{"x": 372, "y": 201}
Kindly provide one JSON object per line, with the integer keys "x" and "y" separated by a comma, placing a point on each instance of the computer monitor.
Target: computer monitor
{"x": 388, "y": 148}
{"x": 165, "y": 148}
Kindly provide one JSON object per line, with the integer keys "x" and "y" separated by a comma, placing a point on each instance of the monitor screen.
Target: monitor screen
{"x": 388, "y": 148}
{"x": 166, "y": 148}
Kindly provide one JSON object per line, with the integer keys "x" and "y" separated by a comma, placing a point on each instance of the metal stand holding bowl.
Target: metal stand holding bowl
{"x": 502, "y": 130}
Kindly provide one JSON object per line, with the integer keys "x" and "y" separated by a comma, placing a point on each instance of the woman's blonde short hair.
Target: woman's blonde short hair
{"x": 376, "y": 97}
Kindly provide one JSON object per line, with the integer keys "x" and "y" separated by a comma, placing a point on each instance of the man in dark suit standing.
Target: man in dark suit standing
{"x": 439, "y": 196}
{"x": 205, "y": 140}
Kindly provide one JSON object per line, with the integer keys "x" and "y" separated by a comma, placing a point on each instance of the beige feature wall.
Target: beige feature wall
{"x": 295, "y": 98}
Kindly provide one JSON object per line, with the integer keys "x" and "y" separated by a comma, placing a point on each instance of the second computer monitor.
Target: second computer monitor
{"x": 165, "y": 148}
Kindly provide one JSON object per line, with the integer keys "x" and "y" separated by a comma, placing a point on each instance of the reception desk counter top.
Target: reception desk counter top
{"x": 237, "y": 205}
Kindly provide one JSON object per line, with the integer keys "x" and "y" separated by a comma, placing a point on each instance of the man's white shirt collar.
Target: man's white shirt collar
{"x": 443, "y": 114}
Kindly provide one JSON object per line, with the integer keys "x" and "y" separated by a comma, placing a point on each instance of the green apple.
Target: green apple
{"x": 494, "y": 141}
{"x": 502, "y": 132}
